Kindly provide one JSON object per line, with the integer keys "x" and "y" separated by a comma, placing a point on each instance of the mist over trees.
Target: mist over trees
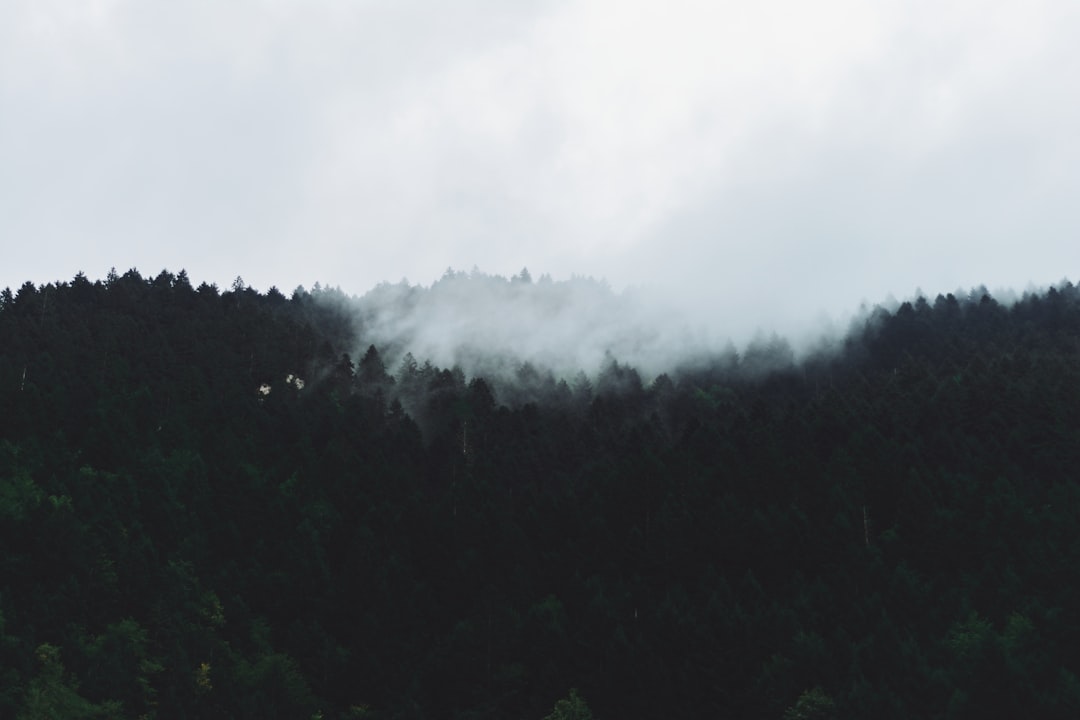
{"x": 231, "y": 504}
{"x": 490, "y": 325}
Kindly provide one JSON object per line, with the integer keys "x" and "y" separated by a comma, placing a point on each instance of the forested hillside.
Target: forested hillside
{"x": 230, "y": 505}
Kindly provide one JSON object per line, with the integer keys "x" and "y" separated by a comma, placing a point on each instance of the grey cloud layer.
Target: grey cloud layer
{"x": 757, "y": 163}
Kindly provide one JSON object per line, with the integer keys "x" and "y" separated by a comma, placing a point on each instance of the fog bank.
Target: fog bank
{"x": 491, "y": 325}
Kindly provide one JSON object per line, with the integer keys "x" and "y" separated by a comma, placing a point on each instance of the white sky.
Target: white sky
{"x": 762, "y": 162}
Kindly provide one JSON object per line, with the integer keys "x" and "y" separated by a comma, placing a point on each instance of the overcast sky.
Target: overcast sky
{"x": 764, "y": 162}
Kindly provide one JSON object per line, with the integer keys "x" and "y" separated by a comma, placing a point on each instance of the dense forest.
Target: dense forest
{"x": 234, "y": 504}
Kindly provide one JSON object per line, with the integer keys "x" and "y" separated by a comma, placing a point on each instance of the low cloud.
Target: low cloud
{"x": 490, "y": 325}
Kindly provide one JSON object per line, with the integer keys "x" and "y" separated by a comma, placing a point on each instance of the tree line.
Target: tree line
{"x": 213, "y": 506}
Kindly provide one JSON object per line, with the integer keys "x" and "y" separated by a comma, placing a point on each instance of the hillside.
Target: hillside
{"x": 234, "y": 504}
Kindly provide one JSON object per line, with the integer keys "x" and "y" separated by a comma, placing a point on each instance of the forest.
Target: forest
{"x": 236, "y": 504}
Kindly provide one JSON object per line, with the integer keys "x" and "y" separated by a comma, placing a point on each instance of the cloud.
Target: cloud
{"x": 760, "y": 163}
{"x": 489, "y": 325}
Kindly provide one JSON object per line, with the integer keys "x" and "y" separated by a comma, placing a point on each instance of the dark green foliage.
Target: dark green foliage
{"x": 812, "y": 705}
{"x": 210, "y": 509}
{"x": 572, "y": 707}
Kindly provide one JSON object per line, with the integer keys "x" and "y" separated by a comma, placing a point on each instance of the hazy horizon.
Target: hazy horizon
{"x": 768, "y": 166}
{"x": 490, "y": 325}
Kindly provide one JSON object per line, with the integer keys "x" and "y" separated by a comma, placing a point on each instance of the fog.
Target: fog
{"x": 759, "y": 166}
{"x": 489, "y": 325}
{"x": 521, "y": 332}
